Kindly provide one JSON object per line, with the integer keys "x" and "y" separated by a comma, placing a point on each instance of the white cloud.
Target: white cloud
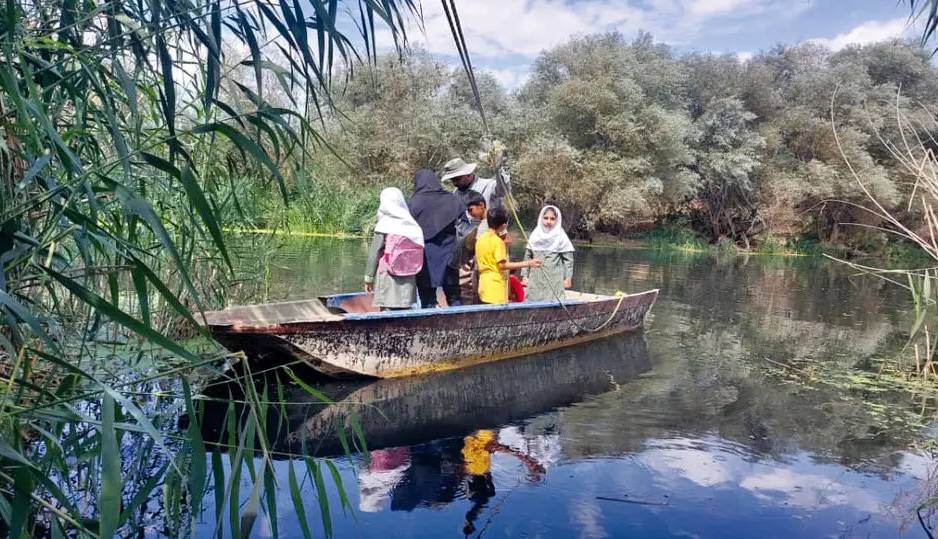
{"x": 868, "y": 32}
{"x": 510, "y": 78}
{"x": 589, "y": 516}
{"x": 689, "y": 463}
{"x": 496, "y": 28}
{"x": 809, "y": 491}
{"x": 715, "y": 7}
{"x": 504, "y": 36}
{"x": 712, "y": 464}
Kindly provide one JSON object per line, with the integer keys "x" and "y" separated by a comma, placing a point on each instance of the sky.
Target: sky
{"x": 504, "y": 36}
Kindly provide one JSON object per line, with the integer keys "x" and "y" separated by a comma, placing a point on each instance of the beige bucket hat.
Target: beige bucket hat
{"x": 457, "y": 167}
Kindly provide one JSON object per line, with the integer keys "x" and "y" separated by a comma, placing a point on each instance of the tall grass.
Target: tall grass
{"x": 326, "y": 206}
{"x": 123, "y": 127}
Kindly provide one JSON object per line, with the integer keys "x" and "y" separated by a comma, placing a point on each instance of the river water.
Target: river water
{"x": 745, "y": 409}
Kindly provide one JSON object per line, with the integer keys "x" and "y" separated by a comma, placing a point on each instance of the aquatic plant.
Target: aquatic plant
{"x": 123, "y": 127}
{"x": 914, "y": 148}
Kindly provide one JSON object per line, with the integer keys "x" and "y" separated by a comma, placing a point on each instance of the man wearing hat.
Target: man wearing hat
{"x": 463, "y": 176}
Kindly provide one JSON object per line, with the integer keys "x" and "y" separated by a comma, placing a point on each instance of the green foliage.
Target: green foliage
{"x": 727, "y": 157}
{"x": 675, "y": 236}
{"x": 127, "y": 130}
{"x": 323, "y": 206}
{"x": 624, "y": 135}
{"x": 620, "y": 105}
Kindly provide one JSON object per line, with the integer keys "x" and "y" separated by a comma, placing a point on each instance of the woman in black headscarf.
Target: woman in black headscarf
{"x": 436, "y": 210}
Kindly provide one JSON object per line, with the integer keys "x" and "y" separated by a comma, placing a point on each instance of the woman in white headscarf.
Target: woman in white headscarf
{"x": 550, "y": 244}
{"x": 394, "y": 223}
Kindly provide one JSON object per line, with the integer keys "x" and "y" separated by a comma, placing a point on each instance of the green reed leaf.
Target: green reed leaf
{"x": 197, "y": 466}
{"x": 196, "y": 197}
{"x": 118, "y": 316}
{"x": 143, "y": 494}
{"x": 145, "y": 211}
{"x": 315, "y": 472}
{"x": 297, "y": 498}
{"x": 340, "y": 488}
{"x": 247, "y": 145}
{"x": 218, "y": 482}
{"x": 250, "y": 508}
{"x": 22, "y": 489}
{"x": 109, "y": 500}
{"x": 270, "y": 494}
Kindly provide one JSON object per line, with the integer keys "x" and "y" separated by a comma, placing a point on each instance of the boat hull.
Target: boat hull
{"x": 393, "y": 344}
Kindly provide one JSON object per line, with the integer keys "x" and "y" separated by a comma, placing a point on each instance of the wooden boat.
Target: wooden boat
{"x": 345, "y": 335}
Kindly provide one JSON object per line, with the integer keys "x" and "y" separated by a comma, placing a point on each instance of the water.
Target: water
{"x": 738, "y": 413}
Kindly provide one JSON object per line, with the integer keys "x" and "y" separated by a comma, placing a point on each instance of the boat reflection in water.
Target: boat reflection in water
{"x": 431, "y": 438}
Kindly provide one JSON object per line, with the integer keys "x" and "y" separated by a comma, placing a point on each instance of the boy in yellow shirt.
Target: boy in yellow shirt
{"x": 492, "y": 259}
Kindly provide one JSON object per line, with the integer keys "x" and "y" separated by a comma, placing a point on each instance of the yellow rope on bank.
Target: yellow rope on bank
{"x": 276, "y": 232}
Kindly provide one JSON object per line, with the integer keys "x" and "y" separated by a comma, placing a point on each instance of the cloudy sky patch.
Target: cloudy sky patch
{"x": 505, "y": 36}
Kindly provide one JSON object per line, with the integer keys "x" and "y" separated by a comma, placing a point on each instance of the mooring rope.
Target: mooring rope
{"x": 452, "y": 17}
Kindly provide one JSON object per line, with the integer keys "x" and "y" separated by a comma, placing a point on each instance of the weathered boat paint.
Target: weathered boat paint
{"x": 389, "y": 344}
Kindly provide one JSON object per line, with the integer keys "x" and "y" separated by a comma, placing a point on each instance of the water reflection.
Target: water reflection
{"x": 414, "y": 410}
{"x": 406, "y": 411}
{"x": 440, "y": 472}
{"x": 724, "y": 420}
{"x": 432, "y": 438}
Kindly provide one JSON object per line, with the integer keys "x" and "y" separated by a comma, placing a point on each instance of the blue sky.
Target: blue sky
{"x": 504, "y": 36}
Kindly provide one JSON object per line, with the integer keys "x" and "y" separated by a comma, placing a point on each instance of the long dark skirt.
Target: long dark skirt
{"x": 438, "y": 252}
{"x": 450, "y": 287}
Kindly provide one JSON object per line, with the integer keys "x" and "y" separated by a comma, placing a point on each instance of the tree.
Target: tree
{"x": 619, "y": 133}
{"x": 620, "y": 105}
{"x": 727, "y": 155}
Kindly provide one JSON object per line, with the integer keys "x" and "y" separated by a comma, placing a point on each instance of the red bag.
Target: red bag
{"x": 516, "y": 289}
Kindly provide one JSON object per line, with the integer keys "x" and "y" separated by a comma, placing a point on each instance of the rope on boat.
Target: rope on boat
{"x": 452, "y": 17}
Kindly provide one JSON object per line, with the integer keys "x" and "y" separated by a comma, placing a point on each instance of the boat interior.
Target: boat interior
{"x": 360, "y": 302}
{"x": 353, "y": 305}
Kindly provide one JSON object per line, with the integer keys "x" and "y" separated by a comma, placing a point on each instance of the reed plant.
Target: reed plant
{"x": 914, "y": 147}
{"x": 123, "y": 129}
{"x": 316, "y": 205}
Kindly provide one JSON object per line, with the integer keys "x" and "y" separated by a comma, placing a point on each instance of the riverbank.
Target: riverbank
{"x": 897, "y": 254}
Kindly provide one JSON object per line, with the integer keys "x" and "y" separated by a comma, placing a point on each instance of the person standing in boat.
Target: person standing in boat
{"x": 492, "y": 259}
{"x": 436, "y": 211}
{"x": 550, "y": 244}
{"x": 467, "y": 230}
{"x": 396, "y": 254}
{"x": 463, "y": 176}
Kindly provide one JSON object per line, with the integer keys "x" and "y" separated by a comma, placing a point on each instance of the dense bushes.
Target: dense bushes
{"x": 622, "y": 134}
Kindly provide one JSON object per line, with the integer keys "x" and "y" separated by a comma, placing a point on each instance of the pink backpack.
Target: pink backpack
{"x": 402, "y": 257}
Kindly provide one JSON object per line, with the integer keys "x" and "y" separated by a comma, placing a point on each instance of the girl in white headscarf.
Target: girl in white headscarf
{"x": 394, "y": 219}
{"x": 550, "y": 244}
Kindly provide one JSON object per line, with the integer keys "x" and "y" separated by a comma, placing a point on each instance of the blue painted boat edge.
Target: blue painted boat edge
{"x": 334, "y": 300}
